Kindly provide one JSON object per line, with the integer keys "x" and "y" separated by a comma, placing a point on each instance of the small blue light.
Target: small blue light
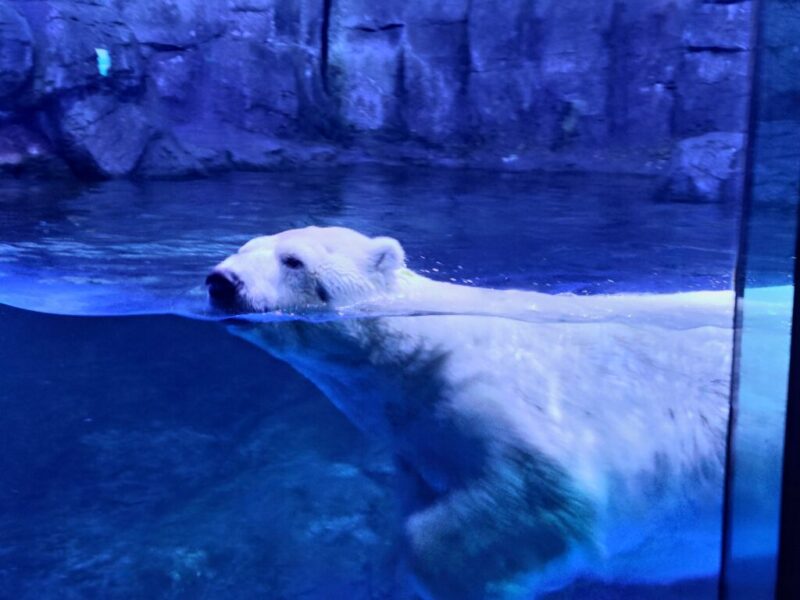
{"x": 103, "y": 61}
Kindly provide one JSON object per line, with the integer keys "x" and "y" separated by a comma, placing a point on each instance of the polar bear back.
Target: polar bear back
{"x": 622, "y": 392}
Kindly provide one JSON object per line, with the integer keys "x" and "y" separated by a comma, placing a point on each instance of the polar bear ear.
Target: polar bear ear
{"x": 387, "y": 255}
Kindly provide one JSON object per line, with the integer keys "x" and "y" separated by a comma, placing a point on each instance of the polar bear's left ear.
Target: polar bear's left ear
{"x": 387, "y": 255}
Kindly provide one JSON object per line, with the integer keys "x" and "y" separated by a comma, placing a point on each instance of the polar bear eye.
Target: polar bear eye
{"x": 292, "y": 262}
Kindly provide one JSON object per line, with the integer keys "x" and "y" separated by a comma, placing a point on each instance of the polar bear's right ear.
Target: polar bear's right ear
{"x": 387, "y": 255}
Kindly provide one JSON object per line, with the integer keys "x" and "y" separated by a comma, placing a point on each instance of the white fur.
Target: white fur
{"x": 538, "y": 437}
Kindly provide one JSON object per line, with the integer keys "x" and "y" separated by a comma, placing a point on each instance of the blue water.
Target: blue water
{"x": 122, "y": 247}
{"x": 155, "y": 456}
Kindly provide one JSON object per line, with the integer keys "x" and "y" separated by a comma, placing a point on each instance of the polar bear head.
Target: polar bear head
{"x": 305, "y": 269}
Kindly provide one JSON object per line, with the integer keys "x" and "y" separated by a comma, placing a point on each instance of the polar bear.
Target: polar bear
{"x": 537, "y": 438}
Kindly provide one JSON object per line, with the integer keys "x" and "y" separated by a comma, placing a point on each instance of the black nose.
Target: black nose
{"x": 223, "y": 288}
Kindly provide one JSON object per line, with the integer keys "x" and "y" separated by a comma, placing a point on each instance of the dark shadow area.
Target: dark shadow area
{"x": 162, "y": 458}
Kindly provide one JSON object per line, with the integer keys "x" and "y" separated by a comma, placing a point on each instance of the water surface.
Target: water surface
{"x": 127, "y": 247}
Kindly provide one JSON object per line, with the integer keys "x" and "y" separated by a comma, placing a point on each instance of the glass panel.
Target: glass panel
{"x": 766, "y": 308}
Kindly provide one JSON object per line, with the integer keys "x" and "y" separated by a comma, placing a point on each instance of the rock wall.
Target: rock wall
{"x": 185, "y": 87}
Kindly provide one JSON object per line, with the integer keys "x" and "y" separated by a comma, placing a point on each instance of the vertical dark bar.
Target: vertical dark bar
{"x": 325, "y": 43}
{"x": 740, "y": 283}
{"x": 788, "y": 586}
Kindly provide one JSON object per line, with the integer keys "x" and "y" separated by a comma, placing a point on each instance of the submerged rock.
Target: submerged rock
{"x": 709, "y": 167}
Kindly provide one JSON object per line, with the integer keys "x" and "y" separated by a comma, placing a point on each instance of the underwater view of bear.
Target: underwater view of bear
{"x": 423, "y": 397}
{"x": 526, "y": 453}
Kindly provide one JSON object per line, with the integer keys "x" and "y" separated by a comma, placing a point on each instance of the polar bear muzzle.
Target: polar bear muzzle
{"x": 224, "y": 289}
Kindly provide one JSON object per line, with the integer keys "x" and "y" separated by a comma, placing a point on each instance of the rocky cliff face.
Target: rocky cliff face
{"x": 185, "y": 87}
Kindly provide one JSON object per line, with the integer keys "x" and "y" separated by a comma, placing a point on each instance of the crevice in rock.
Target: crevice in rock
{"x": 387, "y": 27}
{"x": 401, "y": 94}
{"x": 466, "y": 66}
{"x": 167, "y": 47}
{"x": 715, "y": 49}
{"x": 249, "y": 9}
{"x": 327, "y": 6}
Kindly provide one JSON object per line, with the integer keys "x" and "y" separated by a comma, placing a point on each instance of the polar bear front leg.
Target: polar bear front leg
{"x": 481, "y": 541}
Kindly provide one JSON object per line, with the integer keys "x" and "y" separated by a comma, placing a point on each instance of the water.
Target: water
{"x": 124, "y": 247}
{"x": 151, "y": 456}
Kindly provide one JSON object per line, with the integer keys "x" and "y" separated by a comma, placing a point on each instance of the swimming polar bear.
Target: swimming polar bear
{"x": 537, "y": 438}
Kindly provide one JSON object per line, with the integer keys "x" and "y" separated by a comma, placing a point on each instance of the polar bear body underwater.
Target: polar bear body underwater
{"x": 529, "y": 452}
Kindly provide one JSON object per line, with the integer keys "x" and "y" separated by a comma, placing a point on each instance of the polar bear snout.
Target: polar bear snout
{"x": 223, "y": 288}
